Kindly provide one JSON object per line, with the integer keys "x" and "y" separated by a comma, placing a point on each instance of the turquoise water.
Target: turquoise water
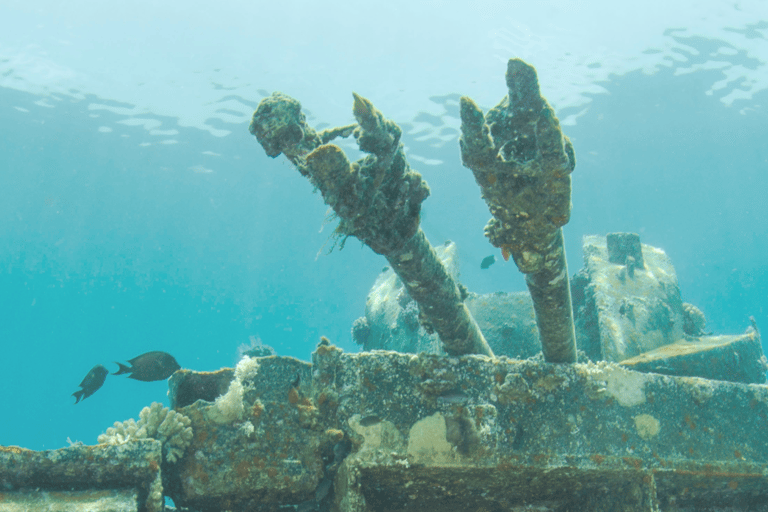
{"x": 137, "y": 213}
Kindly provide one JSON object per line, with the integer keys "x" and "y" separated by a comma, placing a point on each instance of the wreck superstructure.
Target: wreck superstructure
{"x": 453, "y": 404}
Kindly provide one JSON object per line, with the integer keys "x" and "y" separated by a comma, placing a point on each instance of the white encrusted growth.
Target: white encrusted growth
{"x": 155, "y": 422}
{"x": 155, "y": 496}
{"x": 229, "y": 407}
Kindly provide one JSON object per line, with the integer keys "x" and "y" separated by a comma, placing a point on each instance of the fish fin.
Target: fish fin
{"x": 123, "y": 369}
{"x": 78, "y": 395}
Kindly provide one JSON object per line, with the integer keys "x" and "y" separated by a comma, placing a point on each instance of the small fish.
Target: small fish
{"x": 488, "y": 261}
{"x": 150, "y": 366}
{"x": 91, "y": 383}
{"x": 452, "y": 397}
{"x": 370, "y": 420}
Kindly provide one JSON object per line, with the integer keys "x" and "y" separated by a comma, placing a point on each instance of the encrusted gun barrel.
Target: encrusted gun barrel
{"x": 378, "y": 200}
{"x": 522, "y": 162}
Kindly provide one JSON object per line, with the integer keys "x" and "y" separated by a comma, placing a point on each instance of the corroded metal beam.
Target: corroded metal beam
{"x": 378, "y": 200}
{"x": 522, "y": 162}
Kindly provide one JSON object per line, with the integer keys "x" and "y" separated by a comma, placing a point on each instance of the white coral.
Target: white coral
{"x": 156, "y": 422}
{"x": 229, "y": 408}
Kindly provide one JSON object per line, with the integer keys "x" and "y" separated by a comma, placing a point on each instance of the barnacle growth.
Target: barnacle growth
{"x": 378, "y": 200}
{"x": 522, "y": 162}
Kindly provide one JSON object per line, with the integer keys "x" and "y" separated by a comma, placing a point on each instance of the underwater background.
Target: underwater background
{"x": 137, "y": 213}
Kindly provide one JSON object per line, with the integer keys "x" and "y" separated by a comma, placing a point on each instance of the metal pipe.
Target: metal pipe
{"x": 522, "y": 162}
{"x": 378, "y": 200}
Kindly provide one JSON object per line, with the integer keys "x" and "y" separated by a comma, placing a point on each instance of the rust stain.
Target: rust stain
{"x": 257, "y": 409}
{"x": 243, "y": 469}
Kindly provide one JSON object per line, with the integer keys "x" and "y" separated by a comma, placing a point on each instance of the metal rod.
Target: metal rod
{"x": 522, "y": 162}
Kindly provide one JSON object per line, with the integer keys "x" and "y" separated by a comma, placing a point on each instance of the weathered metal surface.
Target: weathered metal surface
{"x": 377, "y": 200}
{"x": 114, "y": 500}
{"x": 134, "y": 465}
{"x": 469, "y": 432}
{"x": 429, "y": 431}
{"x": 391, "y": 320}
{"x": 733, "y": 358}
{"x": 523, "y": 162}
{"x": 630, "y": 310}
{"x": 262, "y": 444}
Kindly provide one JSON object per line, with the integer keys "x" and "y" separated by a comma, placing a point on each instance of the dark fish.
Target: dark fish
{"x": 370, "y": 420}
{"x": 488, "y": 261}
{"x": 150, "y": 366}
{"x": 91, "y": 383}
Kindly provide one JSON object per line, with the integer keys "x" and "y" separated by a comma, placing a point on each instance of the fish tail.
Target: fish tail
{"x": 78, "y": 395}
{"x": 123, "y": 369}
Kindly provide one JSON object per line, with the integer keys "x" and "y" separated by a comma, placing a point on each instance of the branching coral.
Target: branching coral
{"x": 694, "y": 320}
{"x": 155, "y": 422}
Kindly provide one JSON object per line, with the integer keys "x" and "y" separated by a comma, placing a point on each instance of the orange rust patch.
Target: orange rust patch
{"x": 368, "y": 384}
{"x": 540, "y": 458}
{"x": 597, "y": 459}
{"x": 293, "y": 395}
{"x": 689, "y": 422}
{"x": 491, "y": 179}
{"x": 624, "y": 438}
{"x": 322, "y": 398}
{"x": 499, "y": 378}
{"x": 335, "y": 434}
{"x": 738, "y": 455}
{"x": 733, "y": 484}
{"x": 271, "y": 472}
{"x": 632, "y": 461}
{"x": 243, "y": 470}
{"x": 153, "y": 465}
{"x": 647, "y": 479}
{"x": 198, "y": 474}
{"x": 257, "y": 409}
